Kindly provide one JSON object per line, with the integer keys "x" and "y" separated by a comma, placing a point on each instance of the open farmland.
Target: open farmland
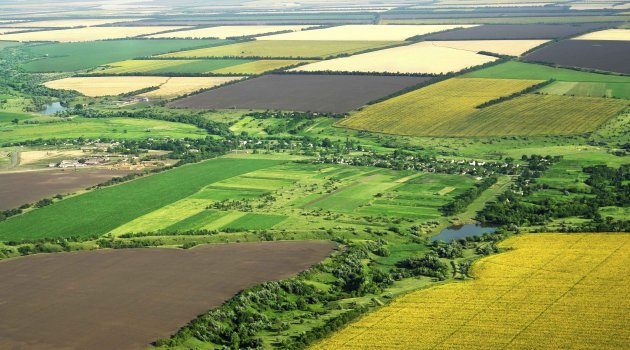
{"x": 606, "y": 55}
{"x": 115, "y": 128}
{"x": 363, "y": 32}
{"x": 420, "y": 58}
{"x": 605, "y": 21}
{"x": 518, "y": 31}
{"x": 224, "y": 32}
{"x": 317, "y": 93}
{"x": 609, "y": 34}
{"x": 70, "y": 23}
{"x": 85, "y": 34}
{"x": 501, "y": 47}
{"x": 283, "y": 49}
{"x": 111, "y": 86}
{"x": 552, "y": 291}
{"x": 258, "y": 67}
{"x": 39, "y": 312}
{"x": 98, "y": 212}
{"x": 215, "y": 66}
{"x": 66, "y": 57}
{"x": 17, "y": 188}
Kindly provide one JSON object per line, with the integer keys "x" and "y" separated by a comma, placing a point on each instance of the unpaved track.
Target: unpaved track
{"x": 125, "y": 299}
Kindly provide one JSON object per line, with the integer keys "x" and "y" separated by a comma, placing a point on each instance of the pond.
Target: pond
{"x": 53, "y": 108}
{"x": 452, "y": 233}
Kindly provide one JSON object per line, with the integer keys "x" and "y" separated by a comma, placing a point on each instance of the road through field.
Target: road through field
{"x": 126, "y": 299}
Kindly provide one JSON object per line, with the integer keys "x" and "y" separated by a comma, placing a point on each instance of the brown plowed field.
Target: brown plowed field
{"x": 125, "y": 299}
{"x": 17, "y": 188}
{"x": 306, "y": 93}
{"x": 606, "y": 55}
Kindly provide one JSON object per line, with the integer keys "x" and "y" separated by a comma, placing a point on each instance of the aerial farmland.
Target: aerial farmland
{"x": 314, "y": 175}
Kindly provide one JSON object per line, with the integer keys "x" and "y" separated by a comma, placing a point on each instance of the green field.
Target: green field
{"x": 5, "y": 44}
{"x": 9, "y": 116}
{"x": 117, "y": 128}
{"x": 569, "y": 81}
{"x": 284, "y": 49}
{"x": 66, "y": 57}
{"x": 100, "y": 211}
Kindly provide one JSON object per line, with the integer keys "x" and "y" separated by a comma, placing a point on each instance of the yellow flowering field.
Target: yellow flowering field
{"x": 549, "y": 291}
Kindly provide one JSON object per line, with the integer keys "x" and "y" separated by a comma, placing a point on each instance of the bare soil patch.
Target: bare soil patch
{"x": 125, "y": 299}
{"x": 606, "y": 55}
{"x": 297, "y": 92}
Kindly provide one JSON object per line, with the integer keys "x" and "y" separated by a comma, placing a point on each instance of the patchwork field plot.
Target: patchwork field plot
{"x": 363, "y": 32}
{"x": 65, "y": 57}
{"x": 609, "y": 34}
{"x": 551, "y": 291}
{"x": 518, "y": 31}
{"x": 284, "y": 49}
{"x": 183, "y": 284}
{"x": 216, "y": 66}
{"x": 111, "y": 86}
{"x": 606, "y": 55}
{"x": 85, "y": 34}
{"x": 317, "y": 93}
{"x": 420, "y": 58}
{"x": 224, "y": 32}
{"x": 258, "y": 67}
{"x": 116, "y": 128}
{"x": 98, "y": 212}
{"x": 70, "y": 23}
{"x": 435, "y": 109}
{"x": 502, "y": 47}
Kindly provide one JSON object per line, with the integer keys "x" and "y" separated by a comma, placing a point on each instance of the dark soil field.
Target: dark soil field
{"x": 17, "y": 188}
{"x": 518, "y": 31}
{"x": 125, "y": 299}
{"x": 606, "y": 55}
{"x": 306, "y": 93}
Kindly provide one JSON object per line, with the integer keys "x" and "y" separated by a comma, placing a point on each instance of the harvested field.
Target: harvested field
{"x": 609, "y": 34}
{"x": 216, "y": 66}
{"x": 364, "y": 32}
{"x": 316, "y": 93}
{"x": 224, "y": 32}
{"x": 284, "y": 49}
{"x": 85, "y": 34}
{"x": 111, "y": 86}
{"x": 70, "y": 23}
{"x": 420, "y": 58}
{"x": 606, "y": 55}
{"x": 17, "y": 188}
{"x": 518, "y": 31}
{"x": 551, "y": 291}
{"x": 65, "y": 57}
{"x": 98, "y": 299}
{"x": 501, "y": 47}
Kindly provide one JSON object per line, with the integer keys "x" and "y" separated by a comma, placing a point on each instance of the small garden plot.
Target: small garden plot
{"x": 605, "y": 55}
{"x": 296, "y": 92}
{"x": 364, "y": 32}
{"x": 85, "y": 34}
{"x": 501, "y": 47}
{"x": 419, "y": 58}
{"x": 518, "y": 31}
{"x": 224, "y": 32}
{"x": 254, "y": 221}
{"x": 283, "y": 49}
{"x": 609, "y": 34}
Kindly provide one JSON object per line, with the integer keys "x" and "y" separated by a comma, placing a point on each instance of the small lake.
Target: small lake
{"x": 452, "y": 233}
{"x": 53, "y": 108}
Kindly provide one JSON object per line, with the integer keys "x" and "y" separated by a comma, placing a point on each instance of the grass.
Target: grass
{"x": 67, "y": 57}
{"x": 550, "y": 291}
{"x": 284, "y": 49}
{"x": 608, "y": 90}
{"x": 254, "y": 221}
{"x": 435, "y": 110}
{"x": 116, "y": 128}
{"x": 9, "y": 116}
{"x": 100, "y": 211}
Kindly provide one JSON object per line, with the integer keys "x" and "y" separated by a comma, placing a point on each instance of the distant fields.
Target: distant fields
{"x": 67, "y": 57}
{"x": 433, "y": 110}
{"x": 284, "y": 49}
{"x": 513, "y": 20}
{"x": 100, "y": 211}
{"x": 551, "y": 291}
{"x": 501, "y": 47}
{"x": 216, "y": 66}
{"x": 85, "y": 34}
{"x": 518, "y": 31}
{"x": 224, "y": 32}
{"x": 116, "y": 128}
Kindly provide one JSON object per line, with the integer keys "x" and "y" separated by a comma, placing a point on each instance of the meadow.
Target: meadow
{"x": 548, "y": 291}
{"x": 68, "y": 57}
{"x": 283, "y": 49}
{"x": 419, "y": 58}
{"x": 116, "y": 128}
{"x": 85, "y": 34}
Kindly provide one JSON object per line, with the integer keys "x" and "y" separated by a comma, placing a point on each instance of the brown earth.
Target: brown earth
{"x": 17, "y": 188}
{"x": 301, "y": 92}
{"x": 125, "y": 299}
